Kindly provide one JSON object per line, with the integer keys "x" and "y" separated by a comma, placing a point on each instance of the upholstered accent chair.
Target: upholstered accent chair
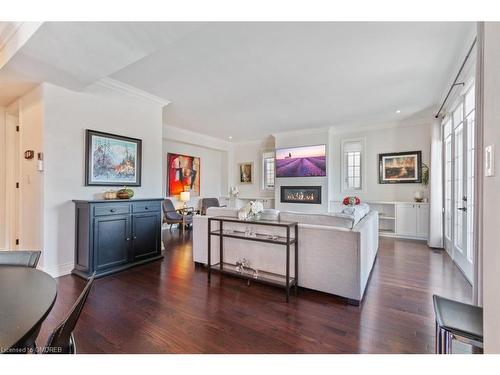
{"x": 19, "y": 258}
{"x": 180, "y": 216}
{"x": 207, "y": 203}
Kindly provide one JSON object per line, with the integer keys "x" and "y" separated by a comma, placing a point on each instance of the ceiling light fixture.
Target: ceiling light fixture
{"x": 230, "y": 137}
{"x": 398, "y": 111}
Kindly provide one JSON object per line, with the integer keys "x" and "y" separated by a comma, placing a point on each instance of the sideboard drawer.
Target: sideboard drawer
{"x": 111, "y": 209}
{"x": 146, "y": 206}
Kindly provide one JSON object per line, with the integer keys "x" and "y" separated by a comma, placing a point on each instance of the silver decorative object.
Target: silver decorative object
{"x": 244, "y": 264}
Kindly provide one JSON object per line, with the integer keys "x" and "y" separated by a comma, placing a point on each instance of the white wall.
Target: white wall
{"x": 382, "y": 140}
{"x": 31, "y": 223}
{"x": 491, "y": 190}
{"x": 304, "y": 138}
{"x": 2, "y": 179}
{"x": 251, "y": 152}
{"x": 66, "y": 116}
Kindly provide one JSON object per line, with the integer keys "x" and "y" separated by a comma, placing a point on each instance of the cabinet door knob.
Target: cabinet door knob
{"x": 135, "y": 237}
{"x": 128, "y": 238}
{"x": 146, "y": 207}
{"x": 113, "y": 210}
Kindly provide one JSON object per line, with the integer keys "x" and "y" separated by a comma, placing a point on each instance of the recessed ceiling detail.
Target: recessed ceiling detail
{"x": 250, "y": 80}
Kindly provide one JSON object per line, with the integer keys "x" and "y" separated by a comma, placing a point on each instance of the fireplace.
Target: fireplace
{"x": 301, "y": 194}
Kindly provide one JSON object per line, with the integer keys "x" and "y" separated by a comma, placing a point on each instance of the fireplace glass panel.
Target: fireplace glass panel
{"x": 301, "y": 194}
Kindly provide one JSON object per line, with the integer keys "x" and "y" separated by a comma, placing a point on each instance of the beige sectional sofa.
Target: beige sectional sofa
{"x": 336, "y": 252}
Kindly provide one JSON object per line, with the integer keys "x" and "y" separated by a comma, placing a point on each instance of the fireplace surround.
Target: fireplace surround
{"x": 301, "y": 194}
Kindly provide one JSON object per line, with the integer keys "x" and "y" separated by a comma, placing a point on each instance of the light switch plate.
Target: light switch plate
{"x": 489, "y": 161}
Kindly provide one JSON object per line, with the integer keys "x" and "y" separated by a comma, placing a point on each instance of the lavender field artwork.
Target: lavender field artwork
{"x": 307, "y": 161}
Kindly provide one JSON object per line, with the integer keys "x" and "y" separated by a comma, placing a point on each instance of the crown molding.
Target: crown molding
{"x": 335, "y": 130}
{"x": 8, "y": 32}
{"x": 119, "y": 86}
{"x": 299, "y": 132}
{"x": 13, "y": 37}
{"x": 177, "y": 134}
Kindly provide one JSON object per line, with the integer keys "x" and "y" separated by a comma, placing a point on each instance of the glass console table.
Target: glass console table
{"x": 284, "y": 281}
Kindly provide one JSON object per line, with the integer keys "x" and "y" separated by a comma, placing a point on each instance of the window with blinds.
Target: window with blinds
{"x": 352, "y": 151}
{"x": 268, "y": 171}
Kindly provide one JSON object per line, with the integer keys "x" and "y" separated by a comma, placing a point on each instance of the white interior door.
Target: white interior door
{"x": 12, "y": 176}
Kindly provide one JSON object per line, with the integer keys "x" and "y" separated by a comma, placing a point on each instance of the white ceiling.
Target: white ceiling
{"x": 249, "y": 80}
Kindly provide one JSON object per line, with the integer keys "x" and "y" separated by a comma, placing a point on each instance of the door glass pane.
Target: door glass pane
{"x": 458, "y": 115}
{"x": 470, "y": 101}
{"x": 447, "y": 129}
{"x": 458, "y": 186}
{"x": 470, "y": 185}
{"x": 447, "y": 190}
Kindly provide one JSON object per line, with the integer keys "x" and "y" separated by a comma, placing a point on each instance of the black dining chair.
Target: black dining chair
{"x": 19, "y": 258}
{"x": 62, "y": 340}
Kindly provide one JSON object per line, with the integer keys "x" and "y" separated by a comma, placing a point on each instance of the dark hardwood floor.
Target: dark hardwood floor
{"x": 167, "y": 307}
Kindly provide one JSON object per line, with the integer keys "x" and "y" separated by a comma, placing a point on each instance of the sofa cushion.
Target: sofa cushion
{"x": 222, "y": 211}
{"x": 332, "y": 220}
{"x": 270, "y": 214}
{"x": 357, "y": 212}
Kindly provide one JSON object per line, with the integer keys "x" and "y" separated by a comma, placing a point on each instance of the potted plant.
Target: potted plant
{"x": 419, "y": 194}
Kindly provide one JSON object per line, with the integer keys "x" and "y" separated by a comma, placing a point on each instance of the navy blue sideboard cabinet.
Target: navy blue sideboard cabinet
{"x": 112, "y": 235}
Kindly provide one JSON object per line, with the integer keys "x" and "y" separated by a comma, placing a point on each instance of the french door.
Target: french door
{"x": 459, "y": 153}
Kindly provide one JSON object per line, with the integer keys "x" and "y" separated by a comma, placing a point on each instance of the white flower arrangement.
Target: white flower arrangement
{"x": 256, "y": 207}
{"x": 251, "y": 210}
{"x": 234, "y": 192}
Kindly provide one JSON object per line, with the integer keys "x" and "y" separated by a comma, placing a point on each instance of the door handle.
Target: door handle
{"x": 464, "y": 209}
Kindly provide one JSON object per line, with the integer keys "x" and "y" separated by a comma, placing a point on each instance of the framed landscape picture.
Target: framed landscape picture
{"x": 183, "y": 174}
{"x": 245, "y": 173}
{"x": 400, "y": 167}
{"x": 112, "y": 160}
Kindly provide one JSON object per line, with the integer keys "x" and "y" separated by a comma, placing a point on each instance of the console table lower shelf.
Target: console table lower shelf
{"x": 283, "y": 281}
{"x": 264, "y": 277}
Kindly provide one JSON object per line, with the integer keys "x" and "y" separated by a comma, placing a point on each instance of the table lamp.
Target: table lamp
{"x": 185, "y": 197}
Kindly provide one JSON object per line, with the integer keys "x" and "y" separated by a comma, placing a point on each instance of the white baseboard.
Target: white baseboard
{"x": 59, "y": 270}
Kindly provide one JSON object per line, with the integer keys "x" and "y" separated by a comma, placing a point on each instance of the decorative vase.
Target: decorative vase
{"x": 419, "y": 196}
{"x": 252, "y": 216}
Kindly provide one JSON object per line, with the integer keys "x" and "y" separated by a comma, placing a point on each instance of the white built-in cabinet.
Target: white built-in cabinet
{"x": 403, "y": 219}
{"x": 412, "y": 220}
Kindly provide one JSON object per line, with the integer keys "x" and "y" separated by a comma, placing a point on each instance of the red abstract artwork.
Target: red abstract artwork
{"x": 183, "y": 174}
